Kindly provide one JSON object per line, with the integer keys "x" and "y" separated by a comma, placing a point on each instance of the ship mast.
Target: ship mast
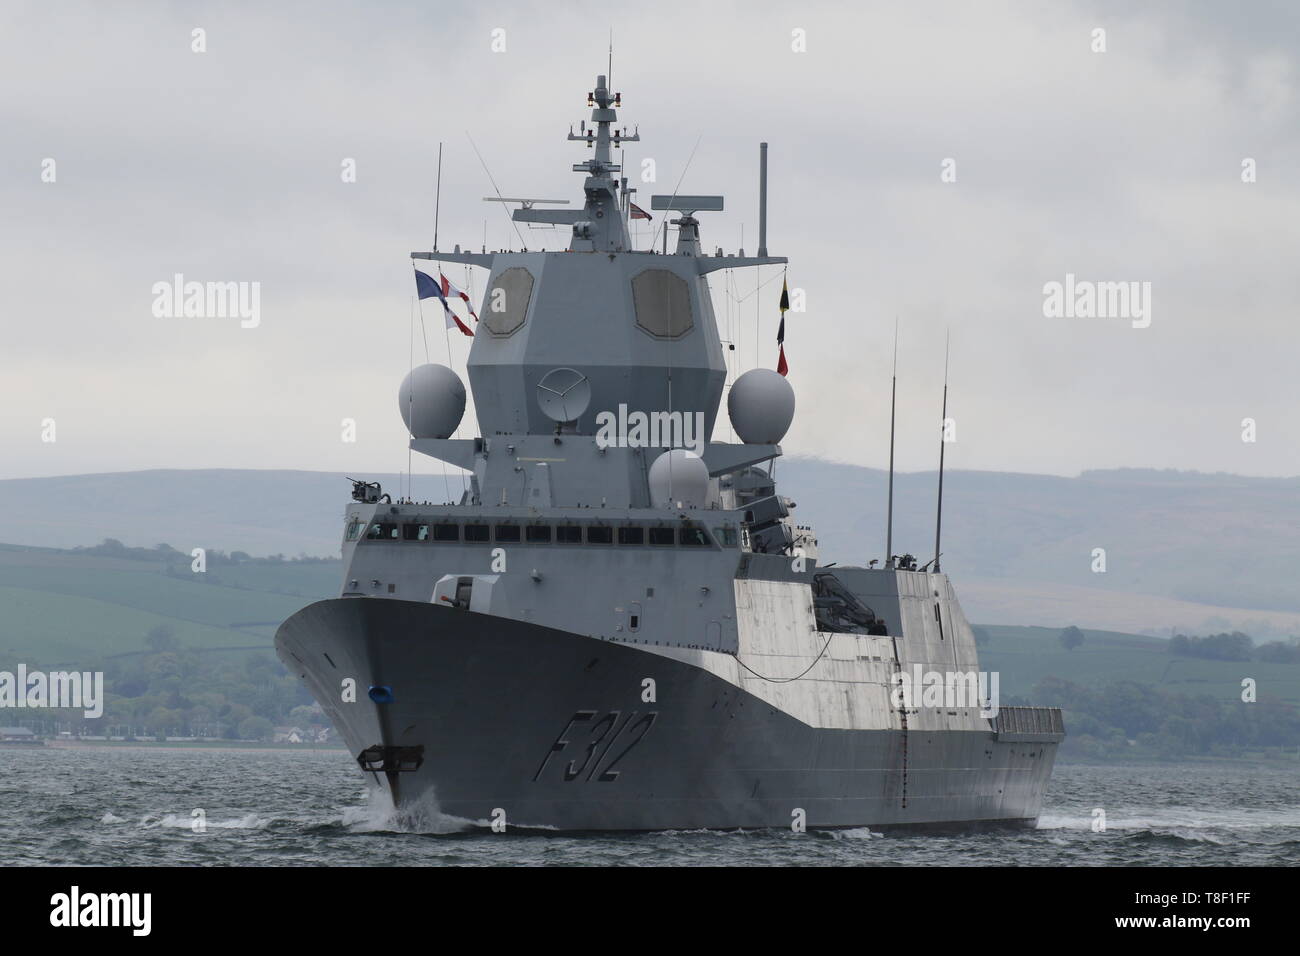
{"x": 601, "y": 226}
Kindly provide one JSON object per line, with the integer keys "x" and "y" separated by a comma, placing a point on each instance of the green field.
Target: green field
{"x": 1024, "y": 655}
{"x": 63, "y": 608}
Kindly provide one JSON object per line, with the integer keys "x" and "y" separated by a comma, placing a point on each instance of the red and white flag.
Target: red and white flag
{"x": 449, "y": 290}
{"x": 429, "y": 289}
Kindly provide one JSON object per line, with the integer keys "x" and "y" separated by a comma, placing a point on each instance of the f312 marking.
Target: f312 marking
{"x": 602, "y": 734}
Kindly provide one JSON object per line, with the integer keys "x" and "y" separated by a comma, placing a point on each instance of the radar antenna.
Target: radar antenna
{"x": 688, "y": 227}
{"x": 526, "y": 203}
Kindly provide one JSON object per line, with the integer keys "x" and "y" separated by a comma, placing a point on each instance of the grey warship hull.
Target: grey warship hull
{"x": 537, "y": 727}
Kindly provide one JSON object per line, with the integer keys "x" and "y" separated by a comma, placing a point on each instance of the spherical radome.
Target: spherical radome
{"x": 432, "y": 401}
{"x": 761, "y": 406}
{"x": 679, "y": 476}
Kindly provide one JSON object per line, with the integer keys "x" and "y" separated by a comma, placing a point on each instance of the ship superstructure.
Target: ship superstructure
{"x": 619, "y": 624}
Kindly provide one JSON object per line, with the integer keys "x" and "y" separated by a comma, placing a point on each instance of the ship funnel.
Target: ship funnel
{"x": 762, "y": 199}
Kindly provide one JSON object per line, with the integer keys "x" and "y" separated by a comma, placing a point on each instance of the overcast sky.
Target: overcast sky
{"x": 225, "y": 166}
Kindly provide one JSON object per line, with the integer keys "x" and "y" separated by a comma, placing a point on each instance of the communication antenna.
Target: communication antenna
{"x": 943, "y": 427}
{"x": 893, "y": 397}
{"x": 500, "y": 198}
{"x": 673, "y": 198}
{"x": 437, "y": 201}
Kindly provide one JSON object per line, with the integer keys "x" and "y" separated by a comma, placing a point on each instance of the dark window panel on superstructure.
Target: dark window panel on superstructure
{"x": 692, "y": 536}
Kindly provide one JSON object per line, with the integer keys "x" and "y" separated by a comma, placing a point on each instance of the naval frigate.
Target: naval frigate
{"x": 619, "y": 625}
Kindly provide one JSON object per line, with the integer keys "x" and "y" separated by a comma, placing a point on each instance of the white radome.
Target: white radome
{"x": 435, "y": 408}
{"x": 761, "y": 406}
{"x": 679, "y": 478}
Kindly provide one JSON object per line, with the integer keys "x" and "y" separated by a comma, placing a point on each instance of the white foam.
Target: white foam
{"x": 177, "y": 821}
{"x": 856, "y": 833}
{"x": 423, "y": 816}
{"x": 1177, "y": 819}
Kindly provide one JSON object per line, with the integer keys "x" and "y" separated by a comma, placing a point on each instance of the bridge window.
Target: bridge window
{"x": 693, "y": 536}
{"x": 354, "y": 528}
{"x": 687, "y": 535}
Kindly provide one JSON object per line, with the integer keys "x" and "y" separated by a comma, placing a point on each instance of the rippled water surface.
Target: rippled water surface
{"x": 135, "y": 806}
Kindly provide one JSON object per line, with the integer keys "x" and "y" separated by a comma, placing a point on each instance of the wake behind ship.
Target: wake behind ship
{"x": 619, "y": 625}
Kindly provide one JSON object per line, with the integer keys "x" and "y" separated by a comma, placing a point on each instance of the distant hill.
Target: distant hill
{"x": 261, "y": 512}
{"x": 1183, "y": 550}
{"x": 1189, "y": 551}
{"x": 1023, "y": 656}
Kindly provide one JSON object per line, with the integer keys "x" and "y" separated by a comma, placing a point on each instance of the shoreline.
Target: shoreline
{"x": 187, "y": 745}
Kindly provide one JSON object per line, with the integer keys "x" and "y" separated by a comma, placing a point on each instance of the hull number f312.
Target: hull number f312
{"x": 602, "y": 734}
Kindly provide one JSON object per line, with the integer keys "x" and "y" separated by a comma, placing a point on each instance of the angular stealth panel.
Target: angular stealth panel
{"x": 510, "y": 292}
{"x": 663, "y": 303}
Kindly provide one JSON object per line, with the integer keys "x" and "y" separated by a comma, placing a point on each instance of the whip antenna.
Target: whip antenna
{"x": 943, "y": 429}
{"x": 893, "y": 397}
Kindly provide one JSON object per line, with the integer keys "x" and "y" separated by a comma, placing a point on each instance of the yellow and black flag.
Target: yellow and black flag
{"x": 781, "y": 365}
